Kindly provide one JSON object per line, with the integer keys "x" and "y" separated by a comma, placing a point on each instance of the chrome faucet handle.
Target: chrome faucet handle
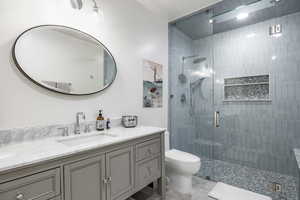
{"x": 80, "y": 114}
{"x": 76, "y": 130}
{"x": 65, "y": 131}
{"x": 88, "y": 128}
{"x": 77, "y": 125}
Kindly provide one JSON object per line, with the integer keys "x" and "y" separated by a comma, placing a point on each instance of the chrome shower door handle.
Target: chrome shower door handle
{"x": 217, "y": 119}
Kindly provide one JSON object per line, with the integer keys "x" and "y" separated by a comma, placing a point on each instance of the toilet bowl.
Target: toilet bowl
{"x": 180, "y": 168}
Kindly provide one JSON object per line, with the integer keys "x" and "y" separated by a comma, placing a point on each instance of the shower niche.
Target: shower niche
{"x": 249, "y": 88}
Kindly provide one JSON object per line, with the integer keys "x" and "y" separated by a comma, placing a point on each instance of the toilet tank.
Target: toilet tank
{"x": 167, "y": 141}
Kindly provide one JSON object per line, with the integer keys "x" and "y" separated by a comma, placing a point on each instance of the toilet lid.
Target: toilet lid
{"x": 181, "y": 156}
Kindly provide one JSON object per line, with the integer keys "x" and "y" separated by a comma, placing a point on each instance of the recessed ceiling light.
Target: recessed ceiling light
{"x": 242, "y": 16}
{"x": 211, "y": 21}
{"x": 245, "y": 11}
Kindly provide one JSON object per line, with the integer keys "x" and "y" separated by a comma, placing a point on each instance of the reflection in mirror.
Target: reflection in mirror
{"x": 64, "y": 60}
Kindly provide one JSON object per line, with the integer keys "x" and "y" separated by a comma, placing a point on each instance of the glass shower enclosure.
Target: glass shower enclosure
{"x": 235, "y": 93}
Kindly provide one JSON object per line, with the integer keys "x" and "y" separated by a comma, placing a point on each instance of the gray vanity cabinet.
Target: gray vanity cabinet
{"x": 107, "y": 177}
{"x": 84, "y": 180}
{"x": 120, "y": 173}
{"x": 148, "y": 163}
{"x": 109, "y": 173}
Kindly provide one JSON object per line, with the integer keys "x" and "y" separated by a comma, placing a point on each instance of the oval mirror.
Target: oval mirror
{"x": 64, "y": 60}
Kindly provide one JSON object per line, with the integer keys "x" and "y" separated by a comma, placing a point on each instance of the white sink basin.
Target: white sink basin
{"x": 86, "y": 140}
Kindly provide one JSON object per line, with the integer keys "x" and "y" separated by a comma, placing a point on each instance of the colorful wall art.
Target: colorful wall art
{"x": 153, "y": 84}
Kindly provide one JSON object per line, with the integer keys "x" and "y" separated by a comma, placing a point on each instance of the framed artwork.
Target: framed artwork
{"x": 152, "y": 84}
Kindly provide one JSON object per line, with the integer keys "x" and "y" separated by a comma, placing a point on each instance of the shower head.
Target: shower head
{"x": 182, "y": 77}
{"x": 198, "y": 60}
{"x": 195, "y": 61}
{"x": 188, "y": 57}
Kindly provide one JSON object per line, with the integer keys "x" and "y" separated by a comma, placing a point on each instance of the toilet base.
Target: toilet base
{"x": 180, "y": 183}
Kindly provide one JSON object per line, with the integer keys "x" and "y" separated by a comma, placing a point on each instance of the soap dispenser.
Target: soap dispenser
{"x": 100, "y": 123}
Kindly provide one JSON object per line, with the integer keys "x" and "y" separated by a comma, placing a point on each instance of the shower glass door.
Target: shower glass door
{"x": 191, "y": 100}
{"x": 256, "y": 75}
{"x": 239, "y": 109}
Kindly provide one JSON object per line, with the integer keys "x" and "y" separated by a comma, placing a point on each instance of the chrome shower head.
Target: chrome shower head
{"x": 198, "y": 60}
{"x": 195, "y": 61}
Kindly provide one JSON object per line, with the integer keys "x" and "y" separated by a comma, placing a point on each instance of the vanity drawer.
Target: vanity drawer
{"x": 41, "y": 186}
{"x": 147, "y": 172}
{"x": 147, "y": 149}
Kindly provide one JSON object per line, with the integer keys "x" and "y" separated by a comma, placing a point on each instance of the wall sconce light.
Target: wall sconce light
{"x": 78, "y": 4}
{"x": 95, "y": 7}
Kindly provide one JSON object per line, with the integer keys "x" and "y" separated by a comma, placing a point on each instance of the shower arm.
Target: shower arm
{"x": 187, "y": 57}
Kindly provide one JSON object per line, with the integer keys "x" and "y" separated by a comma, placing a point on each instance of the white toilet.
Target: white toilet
{"x": 180, "y": 168}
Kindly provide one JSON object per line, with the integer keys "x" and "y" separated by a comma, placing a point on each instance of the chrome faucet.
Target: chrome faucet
{"x": 77, "y": 125}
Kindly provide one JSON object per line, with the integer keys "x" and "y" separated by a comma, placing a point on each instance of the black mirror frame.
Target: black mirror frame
{"x": 39, "y": 84}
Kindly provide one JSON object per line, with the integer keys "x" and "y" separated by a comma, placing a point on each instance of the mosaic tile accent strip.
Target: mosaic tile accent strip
{"x": 255, "y": 180}
{"x": 247, "y": 92}
{"x": 252, "y": 88}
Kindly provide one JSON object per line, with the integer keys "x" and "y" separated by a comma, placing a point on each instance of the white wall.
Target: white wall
{"x": 126, "y": 28}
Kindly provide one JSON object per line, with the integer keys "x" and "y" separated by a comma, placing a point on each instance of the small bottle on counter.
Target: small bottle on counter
{"x": 108, "y": 123}
{"x": 100, "y": 123}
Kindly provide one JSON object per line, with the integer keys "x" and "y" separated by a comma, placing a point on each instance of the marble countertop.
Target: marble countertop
{"x": 32, "y": 152}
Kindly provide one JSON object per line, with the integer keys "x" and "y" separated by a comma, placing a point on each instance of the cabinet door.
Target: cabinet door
{"x": 119, "y": 171}
{"x": 40, "y": 186}
{"x": 84, "y": 180}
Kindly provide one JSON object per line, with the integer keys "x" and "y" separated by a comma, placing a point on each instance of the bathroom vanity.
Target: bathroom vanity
{"x": 109, "y": 166}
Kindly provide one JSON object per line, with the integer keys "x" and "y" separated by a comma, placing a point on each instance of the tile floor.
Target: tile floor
{"x": 201, "y": 188}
